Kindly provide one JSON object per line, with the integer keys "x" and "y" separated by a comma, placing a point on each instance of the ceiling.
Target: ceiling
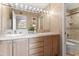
{"x": 37, "y": 5}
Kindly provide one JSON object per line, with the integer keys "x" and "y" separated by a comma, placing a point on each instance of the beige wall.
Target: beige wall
{"x": 73, "y": 30}
{"x": 56, "y": 17}
{"x": 6, "y": 12}
{"x": 0, "y": 17}
{"x": 53, "y": 20}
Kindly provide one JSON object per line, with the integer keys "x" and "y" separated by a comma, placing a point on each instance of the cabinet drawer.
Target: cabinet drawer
{"x": 35, "y": 45}
{"x": 36, "y": 51}
{"x": 34, "y": 40}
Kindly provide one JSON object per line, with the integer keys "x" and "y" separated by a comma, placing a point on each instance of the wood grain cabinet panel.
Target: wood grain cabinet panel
{"x": 52, "y": 45}
{"x": 36, "y": 51}
{"x": 34, "y": 40}
{"x": 5, "y": 48}
{"x": 20, "y": 47}
{"x": 41, "y": 46}
{"x": 36, "y": 46}
{"x": 56, "y": 45}
{"x": 47, "y": 46}
{"x": 38, "y": 54}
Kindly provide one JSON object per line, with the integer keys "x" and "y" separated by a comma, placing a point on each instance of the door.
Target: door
{"x": 20, "y": 47}
{"x": 55, "y": 45}
{"x": 5, "y": 48}
{"x": 52, "y": 45}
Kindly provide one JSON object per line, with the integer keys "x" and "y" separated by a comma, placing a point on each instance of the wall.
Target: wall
{"x": 52, "y": 21}
{"x": 73, "y": 30}
{"x": 56, "y": 17}
{"x": 6, "y": 12}
{"x": 0, "y": 17}
{"x": 43, "y": 22}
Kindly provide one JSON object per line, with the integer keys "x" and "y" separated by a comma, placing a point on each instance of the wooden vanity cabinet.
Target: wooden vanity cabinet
{"x": 52, "y": 45}
{"x": 36, "y": 46}
{"x": 47, "y": 46}
{"x": 56, "y": 45}
{"x": 5, "y": 48}
{"x": 20, "y": 47}
{"x": 44, "y": 46}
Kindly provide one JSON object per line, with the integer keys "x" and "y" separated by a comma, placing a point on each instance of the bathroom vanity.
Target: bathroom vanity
{"x": 38, "y": 44}
{"x": 29, "y": 33}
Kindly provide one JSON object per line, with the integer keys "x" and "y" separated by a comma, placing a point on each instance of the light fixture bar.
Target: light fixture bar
{"x": 24, "y": 7}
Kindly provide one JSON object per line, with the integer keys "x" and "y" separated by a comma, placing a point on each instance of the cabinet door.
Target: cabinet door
{"x": 47, "y": 46}
{"x": 56, "y": 45}
{"x": 51, "y": 45}
{"x": 5, "y": 48}
{"x": 20, "y": 47}
{"x": 36, "y": 46}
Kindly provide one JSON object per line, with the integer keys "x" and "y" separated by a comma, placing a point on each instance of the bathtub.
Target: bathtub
{"x": 73, "y": 40}
{"x": 72, "y": 47}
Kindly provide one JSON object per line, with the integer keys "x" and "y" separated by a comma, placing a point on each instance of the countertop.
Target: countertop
{"x": 20, "y": 36}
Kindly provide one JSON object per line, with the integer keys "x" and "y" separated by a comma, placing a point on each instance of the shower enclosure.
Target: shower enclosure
{"x": 72, "y": 29}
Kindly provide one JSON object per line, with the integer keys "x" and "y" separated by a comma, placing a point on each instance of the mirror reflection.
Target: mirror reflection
{"x": 23, "y": 18}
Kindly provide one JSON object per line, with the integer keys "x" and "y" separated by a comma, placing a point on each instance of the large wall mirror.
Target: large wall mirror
{"x": 16, "y": 20}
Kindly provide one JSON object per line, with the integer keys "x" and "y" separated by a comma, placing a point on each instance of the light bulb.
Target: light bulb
{"x": 30, "y": 8}
{"x": 51, "y": 12}
{"x": 44, "y": 11}
{"x": 26, "y": 6}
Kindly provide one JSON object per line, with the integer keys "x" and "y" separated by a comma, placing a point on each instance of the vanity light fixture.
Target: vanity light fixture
{"x": 16, "y": 5}
{"x": 41, "y": 10}
{"x": 44, "y": 11}
{"x": 6, "y": 3}
{"x": 51, "y": 12}
{"x": 30, "y": 8}
{"x": 33, "y": 9}
{"x": 24, "y": 7}
{"x": 38, "y": 9}
{"x": 12, "y": 4}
